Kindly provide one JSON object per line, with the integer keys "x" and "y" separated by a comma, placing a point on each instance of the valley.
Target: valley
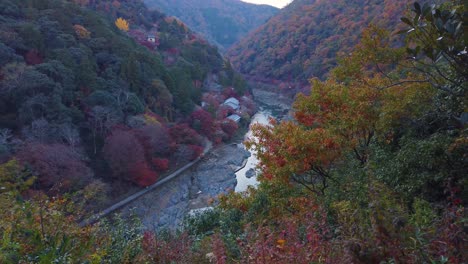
{"x": 221, "y": 131}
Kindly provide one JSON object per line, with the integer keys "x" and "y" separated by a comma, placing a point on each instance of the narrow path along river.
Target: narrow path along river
{"x": 198, "y": 186}
{"x": 216, "y": 173}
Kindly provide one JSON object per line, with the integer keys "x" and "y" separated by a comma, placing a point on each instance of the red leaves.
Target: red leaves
{"x": 305, "y": 119}
{"x": 59, "y": 167}
{"x": 155, "y": 140}
{"x": 183, "y": 134}
{"x": 196, "y": 151}
{"x": 142, "y": 175}
{"x": 229, "y": 127}
{"x": 161, "y": 164}
{"x": 219, "y": 249}
{"x": 298, "y": 238}
{"x": 229, "y": 92}
{"x": 202, "y": 121}
{"x": 287, "y": 148}
{"x": 148, "y": 44}
{"x": 148, "y": 241}
{"x": 123, "y": 152}
{"x": 126, "y": 157}
{"x": 33, "y": 57}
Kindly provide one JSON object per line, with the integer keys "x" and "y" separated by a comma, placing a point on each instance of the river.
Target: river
{"x": 243, "y": 181}
{"x": 197, "y": 188}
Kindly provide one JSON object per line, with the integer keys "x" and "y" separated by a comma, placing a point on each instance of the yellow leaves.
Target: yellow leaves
{"x": 81, "y": 32}
{"x": 14, "y": 178}
{"x": 150, "y": 119}
{"x": 404, "y": 101}
{"x": 122, "y": 24}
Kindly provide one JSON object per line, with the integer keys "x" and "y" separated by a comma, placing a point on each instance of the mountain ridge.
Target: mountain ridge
{"x": 223, "y": 22}
{"x": 304, "y": 39}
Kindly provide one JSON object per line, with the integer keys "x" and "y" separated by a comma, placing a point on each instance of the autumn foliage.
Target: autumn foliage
{"x": 59, "y": 168}
{"x": 203, "y": 122}
{"x": 370, "y": 167}
{"x": 126, "y": 157}
{"x": 303, "y": 40}
{"x": 122, "y": 24}
{"x": 81, "y": 31}
{"x": 142, "y": 174}
{"x": 161, "y": 164}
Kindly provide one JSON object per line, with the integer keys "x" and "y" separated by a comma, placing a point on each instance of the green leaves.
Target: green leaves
{"x": 407, "y": 21}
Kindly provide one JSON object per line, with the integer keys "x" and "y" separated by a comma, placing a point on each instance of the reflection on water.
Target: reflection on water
{"x": 242, "y": 181}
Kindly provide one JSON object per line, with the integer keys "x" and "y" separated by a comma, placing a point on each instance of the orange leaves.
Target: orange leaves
{"x": 346, "y": 112}
{"x": 81, "y": 32}
{"x": 286, "y": 149}
{"x": 280, "y": 243}
{"x": 122, "y": 24}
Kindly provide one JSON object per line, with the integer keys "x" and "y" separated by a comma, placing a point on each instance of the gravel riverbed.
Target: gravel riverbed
{"x": 196, "y": 188}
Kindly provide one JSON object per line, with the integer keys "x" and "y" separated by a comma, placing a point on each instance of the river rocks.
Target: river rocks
{"x": 250, "y": 173}
{"x": 166, "y": 206}
{"x": 272, "y": 99}
{"x": 215, "y": 177}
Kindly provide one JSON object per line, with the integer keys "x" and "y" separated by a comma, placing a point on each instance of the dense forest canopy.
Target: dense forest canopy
{"x": 370, "y": 169}
{"x": 87, "y": 97}
{"x": 304, "y": 39}
{"x": 222, "y": 22}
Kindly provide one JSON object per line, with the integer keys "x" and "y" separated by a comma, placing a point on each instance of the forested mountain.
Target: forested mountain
{"x": 222, "y": 22}
{"x": 371, "y": 168}
{"x": 304, "y": 39}
{"x": 87, "y": 97}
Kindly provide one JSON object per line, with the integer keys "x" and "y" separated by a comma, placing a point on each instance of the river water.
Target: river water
{"x": 243, "y": 181}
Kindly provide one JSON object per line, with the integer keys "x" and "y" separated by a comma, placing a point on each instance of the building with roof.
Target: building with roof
{"x": 235, "y": 118}
{"x": 232, "y": 102}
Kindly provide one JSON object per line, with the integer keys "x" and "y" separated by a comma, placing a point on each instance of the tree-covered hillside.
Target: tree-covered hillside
{"x": 372, "y": 168}
{"x": 222, "y": 22}
{"x": 86, "y": 97}
{"x": 306, "y": 37}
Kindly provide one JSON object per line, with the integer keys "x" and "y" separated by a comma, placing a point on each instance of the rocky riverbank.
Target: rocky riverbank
{"x": 196, "y": 188}
{"x": 271, "y": 99}
{"x": 199, "y": 186}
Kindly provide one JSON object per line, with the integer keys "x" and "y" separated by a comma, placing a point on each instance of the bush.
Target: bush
{"x": 58, "y": 167}
{"x": 161, "y": 164}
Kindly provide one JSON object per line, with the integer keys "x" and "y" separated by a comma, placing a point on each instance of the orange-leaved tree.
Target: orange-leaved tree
{"x": 367, "y": 96}
{"x": 122, "y": 24}
{"x": 81, "y": 32}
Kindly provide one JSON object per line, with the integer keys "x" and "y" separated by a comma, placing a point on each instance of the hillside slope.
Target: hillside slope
{"x": 303, "y": 40}
{"x": 82, "y": 100}
{"x": 222, "y": 22}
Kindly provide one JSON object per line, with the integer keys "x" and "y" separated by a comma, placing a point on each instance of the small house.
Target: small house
{"x": 232, "y": 102}
{"x": 235, "y": 118}
{"x": 151, "y": 38}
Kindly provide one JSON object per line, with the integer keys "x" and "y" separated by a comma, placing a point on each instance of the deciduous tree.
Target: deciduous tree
{"x": 58, "y": 167}
{"x": 122, "y": 24}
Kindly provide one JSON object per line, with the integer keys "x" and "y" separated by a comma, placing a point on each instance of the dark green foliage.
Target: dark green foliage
{"x": 70, "y": 68}
{"x": 53, "y": 75}
{"x": 202, "y": 224}
{"x": 126, "y": 237}
{"x": 7, "y": 54}
{"x": 416, "y": 166}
